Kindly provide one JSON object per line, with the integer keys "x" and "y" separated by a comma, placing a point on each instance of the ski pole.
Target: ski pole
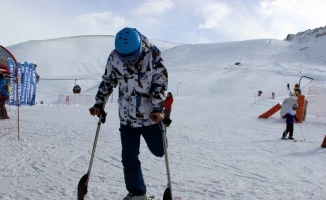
{"x": 168, "y": 191}
{"x": 83, "y": 182}
{"x": 302, "y": 133}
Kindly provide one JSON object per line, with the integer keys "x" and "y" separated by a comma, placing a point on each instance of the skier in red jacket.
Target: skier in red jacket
{"x": 168, "y": 107}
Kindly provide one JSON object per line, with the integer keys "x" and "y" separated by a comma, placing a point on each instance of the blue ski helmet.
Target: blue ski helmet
{"x": 128, "y": 45}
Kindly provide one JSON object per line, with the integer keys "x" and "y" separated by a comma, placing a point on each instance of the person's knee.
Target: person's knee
{"x": 160, "y": 155}
{"x": 158, "y": 152}
{"x": 157, "y": 148}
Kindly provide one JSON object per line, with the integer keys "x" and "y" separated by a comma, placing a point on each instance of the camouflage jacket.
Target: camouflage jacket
{"x": 141, "y": 87}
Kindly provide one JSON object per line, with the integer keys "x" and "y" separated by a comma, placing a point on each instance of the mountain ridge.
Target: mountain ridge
{"x": 306, "y": 36}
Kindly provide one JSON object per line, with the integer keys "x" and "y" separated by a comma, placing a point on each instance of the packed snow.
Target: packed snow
{"x": 218, "y": 147}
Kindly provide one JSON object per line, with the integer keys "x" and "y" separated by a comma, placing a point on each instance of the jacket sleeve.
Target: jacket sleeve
{"x": 159, "y": 81}
{"x": 109, "y": 81}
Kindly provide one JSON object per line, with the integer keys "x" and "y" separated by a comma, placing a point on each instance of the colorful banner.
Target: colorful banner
{"x": 12, "y": 67}
{"x": 28, "y": 88}
{"x": 19, "y": 82}
{"x": 33, "y": 101}
{"x": 26, "y": 84}
{"x": 32, "y": 90}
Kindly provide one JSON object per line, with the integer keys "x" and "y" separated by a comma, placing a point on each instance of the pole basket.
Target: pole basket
{"x": 324, "y": 143}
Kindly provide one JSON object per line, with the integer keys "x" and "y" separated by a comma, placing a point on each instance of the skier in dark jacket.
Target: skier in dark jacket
{"x": 4, "y": 96}
{"x": 290, "y": 116}
{"x": 136, "y": 67}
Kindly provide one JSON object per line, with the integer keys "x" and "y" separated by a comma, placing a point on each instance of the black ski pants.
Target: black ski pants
{"x": 289, "y": 129}
{"x": 130, "y": 139}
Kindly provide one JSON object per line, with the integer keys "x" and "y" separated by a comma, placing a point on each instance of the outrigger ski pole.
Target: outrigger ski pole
{"x": 168, "y": 191}
{"x": 302, "y": 134}
{"x": 83, "y": 183}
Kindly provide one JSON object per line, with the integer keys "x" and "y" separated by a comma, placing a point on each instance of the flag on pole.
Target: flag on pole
{"x": 12, "y": 67}
{"x": 19, "y": 82}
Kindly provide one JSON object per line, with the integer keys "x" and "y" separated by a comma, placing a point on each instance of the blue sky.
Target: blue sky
{"x": 179, "y": 21}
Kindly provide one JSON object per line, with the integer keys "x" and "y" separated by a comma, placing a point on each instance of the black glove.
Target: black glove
{"x": 167, "y": 121}
{"x": 103, "y": 116}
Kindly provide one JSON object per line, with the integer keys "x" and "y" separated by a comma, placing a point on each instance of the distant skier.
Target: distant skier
{"x": 290, "y": 116}
{"x": 168, "y": 108}
{"x": 137, "y": 68}
{"x": 297, "y": 90}
{"x": 4, "y": 96}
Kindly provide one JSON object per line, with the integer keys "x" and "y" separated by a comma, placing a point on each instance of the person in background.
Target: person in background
{"x": 136, "y": 66}
{"x": 290, "y": 116}
{"x": 168, "y": 108}
{"x": 297, "y": 90}
{"x": 4, "y": 96}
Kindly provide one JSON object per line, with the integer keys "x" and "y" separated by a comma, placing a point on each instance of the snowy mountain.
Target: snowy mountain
{"x": 307, "y": 35}
{"x": 84, "y": 57}
{"x": 218, "y": 147}
{"x": 80, "y": 57}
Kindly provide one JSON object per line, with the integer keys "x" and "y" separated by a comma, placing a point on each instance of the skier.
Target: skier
{"x": 4, "y": 96}
{"x": 297, "y": 90}
{"x": 137, "y": 67}
{"x": 168, "y": 108}
{"x": 290, "y": 116}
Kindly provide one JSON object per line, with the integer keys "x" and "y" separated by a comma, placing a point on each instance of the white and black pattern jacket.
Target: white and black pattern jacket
{"x": 141, "y": 87}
